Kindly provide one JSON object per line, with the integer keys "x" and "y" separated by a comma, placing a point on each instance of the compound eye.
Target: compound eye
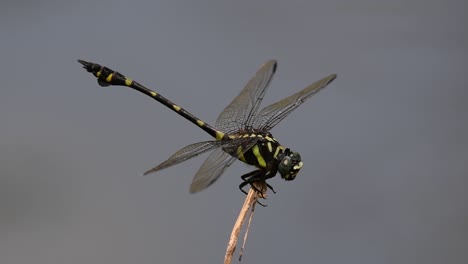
{"x": 290, "y": 166}
{"x": 285, "y": 167}
{"x": 286, "y": 162}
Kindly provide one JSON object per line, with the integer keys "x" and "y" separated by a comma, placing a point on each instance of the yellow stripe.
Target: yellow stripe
{"x": 270, "y": 147}
{"x": 269, "y": 138}
{"x": 128, "y": 82}
{"x": 153, "y": 94}
{"x": 98, "y": 73}
{"x": 240, "y": 155}
{"x": 176, "y": 107}
{"x": 277, "y": 151}
{"x": 298, "y": 166}
{"x": 200, "y": 123}
{"x": 109, "y": 78}
{"x": 260, "y": 159}
{"x": 219, "y": 135}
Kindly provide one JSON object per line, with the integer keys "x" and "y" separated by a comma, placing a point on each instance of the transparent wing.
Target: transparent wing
{"x": 271, "y": 115}
{"x": 240, "y": 112}
{"x": 186, "y": 153}
{"x": 211, "y": 170}
{"x": 218, "y": 161}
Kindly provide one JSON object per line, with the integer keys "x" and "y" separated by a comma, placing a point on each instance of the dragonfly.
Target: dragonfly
{"x": 241, "y": 131}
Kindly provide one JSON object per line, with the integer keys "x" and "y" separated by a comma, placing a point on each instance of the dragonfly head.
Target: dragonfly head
{"x": 290, "y": 164}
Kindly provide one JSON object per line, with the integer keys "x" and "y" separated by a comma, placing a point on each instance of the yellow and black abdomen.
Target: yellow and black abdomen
{"x": 107, "y": 77}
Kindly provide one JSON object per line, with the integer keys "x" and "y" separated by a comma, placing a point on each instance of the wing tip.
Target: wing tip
{"x": 271, "y": 63}
{"x": 194, "y": 189}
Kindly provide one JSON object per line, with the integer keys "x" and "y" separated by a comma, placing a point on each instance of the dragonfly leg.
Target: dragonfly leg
{"x": 247, "y": 180}
{"x": 242, "y": 185}
{"x": 254, "y": 176}
{"x": 250, "y": 178}
{"x": 270, "y": 187}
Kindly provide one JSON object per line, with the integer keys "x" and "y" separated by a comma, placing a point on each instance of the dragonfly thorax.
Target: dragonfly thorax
{"x": 290, "y": 164}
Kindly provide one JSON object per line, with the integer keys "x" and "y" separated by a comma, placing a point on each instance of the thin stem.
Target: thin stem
{"x": 250, "y": 200}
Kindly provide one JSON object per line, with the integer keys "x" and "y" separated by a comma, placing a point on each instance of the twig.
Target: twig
{"x": 247, "y": 232}
{"x": 250, "y": 200}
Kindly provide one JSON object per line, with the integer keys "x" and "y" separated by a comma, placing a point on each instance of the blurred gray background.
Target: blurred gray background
{"x": 385, "y": 146}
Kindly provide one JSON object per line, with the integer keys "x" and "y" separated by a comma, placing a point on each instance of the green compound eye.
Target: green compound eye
{"x": 290, "y": 165}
